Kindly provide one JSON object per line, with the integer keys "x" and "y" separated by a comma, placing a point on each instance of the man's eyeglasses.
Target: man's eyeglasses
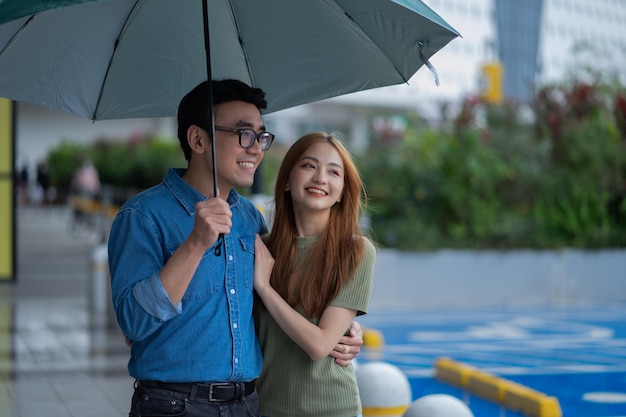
{"x": 248, "y": 136}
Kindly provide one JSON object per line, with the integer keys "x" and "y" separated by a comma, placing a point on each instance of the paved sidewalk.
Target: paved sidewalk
{"x": 55, "y": 360}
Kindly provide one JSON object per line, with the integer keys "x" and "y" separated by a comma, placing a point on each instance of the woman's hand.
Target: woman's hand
{"x": 348, "y": 346}
{"x": 263, "y": 265}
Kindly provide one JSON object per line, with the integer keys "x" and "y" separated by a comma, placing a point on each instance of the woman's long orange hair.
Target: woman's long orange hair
{"x": 332, "y": 260}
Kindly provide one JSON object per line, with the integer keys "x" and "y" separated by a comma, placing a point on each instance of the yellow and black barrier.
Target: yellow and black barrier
{"x": 93, "y": 214}
{"x": 509, "y": 394}
{"x": 373, "y": 339}
{"x": 92, "y": 206}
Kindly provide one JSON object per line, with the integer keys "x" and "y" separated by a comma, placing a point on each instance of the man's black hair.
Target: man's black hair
{"x": 194, "y": 107}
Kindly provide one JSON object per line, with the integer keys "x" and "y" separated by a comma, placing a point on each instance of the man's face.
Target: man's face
{"x": 236, "y": 165}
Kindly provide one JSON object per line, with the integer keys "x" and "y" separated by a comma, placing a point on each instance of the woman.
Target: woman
{"x": 320, "y": 280}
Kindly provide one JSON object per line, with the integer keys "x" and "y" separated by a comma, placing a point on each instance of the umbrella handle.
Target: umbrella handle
{"x": 207, "y": 48}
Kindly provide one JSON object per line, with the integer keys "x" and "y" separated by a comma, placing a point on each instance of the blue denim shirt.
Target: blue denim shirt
{"x": 210, "y": 335}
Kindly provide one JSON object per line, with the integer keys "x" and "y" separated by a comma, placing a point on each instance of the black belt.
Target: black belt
{"x": 221, "y": 391}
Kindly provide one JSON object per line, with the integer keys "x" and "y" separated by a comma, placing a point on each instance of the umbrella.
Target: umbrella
{"x": 112, "y": 59}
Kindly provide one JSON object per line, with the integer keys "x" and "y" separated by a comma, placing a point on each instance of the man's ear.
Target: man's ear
{"x": 195, "y": 138}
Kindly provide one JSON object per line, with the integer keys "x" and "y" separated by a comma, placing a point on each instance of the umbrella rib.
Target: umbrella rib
{"x": 117, "y": 42}
{"x": 243, "y": 48}
{"x": 14, "y": 37}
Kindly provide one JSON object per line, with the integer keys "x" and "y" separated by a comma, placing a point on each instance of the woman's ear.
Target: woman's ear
{"x": 287, "y": 187}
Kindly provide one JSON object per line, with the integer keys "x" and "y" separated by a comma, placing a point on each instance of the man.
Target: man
{"x": 181, "y": 262}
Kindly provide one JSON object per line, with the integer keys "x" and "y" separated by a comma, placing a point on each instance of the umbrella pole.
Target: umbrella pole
{"x": 207, "y": 47}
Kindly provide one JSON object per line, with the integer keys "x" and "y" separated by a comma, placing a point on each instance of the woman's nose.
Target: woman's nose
{"x": 319, "y": 177}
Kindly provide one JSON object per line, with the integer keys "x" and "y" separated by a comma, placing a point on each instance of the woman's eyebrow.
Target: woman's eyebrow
{"x": 317, "y": 161}
{"x": 309, "y": 157}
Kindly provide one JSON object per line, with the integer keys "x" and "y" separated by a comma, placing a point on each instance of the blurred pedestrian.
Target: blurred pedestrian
{"x": 86, "y": 181}
{"x": 43, "y": 181}
{"x": 23, "y": 186}
{"x": 86, "y": 188}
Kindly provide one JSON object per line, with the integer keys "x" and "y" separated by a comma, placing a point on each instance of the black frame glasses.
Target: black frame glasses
{"x": 248, "y": 136}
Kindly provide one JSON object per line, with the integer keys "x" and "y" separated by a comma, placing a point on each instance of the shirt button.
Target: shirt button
{"x": 235, "y": 325}
{"x": 232, "y": 291}
{"x": 236, "y": 360}
{"x": 230, "y": 257}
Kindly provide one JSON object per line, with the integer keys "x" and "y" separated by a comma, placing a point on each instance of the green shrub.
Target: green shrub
{"x": 63, "y": 161}
{"x": 505, "y": 176}
{"x": 134, "y": 165}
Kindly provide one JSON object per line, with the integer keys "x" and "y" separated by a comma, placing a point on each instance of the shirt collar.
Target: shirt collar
{"x": 186, "y": 194}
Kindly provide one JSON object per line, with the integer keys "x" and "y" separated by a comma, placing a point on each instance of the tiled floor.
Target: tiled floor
{"x": 55, "y": 358}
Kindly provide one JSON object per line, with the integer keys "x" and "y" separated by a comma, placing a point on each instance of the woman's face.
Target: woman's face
{"x": 317, "y": 180}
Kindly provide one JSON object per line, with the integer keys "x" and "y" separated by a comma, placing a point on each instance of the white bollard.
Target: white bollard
{"x": 438, "y": 405}
{"x": 384, "y": 389}
{"x": 100, "y": 290}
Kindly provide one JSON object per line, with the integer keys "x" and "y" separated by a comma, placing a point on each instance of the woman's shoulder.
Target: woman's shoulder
{"x": 368, "y": 243}
{"x": 369, "y": 247}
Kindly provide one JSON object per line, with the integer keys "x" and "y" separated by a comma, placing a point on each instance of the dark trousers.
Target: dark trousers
{"x": 158, "y": 402}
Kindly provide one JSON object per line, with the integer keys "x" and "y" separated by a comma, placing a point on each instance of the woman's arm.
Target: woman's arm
{"x": 316, "y": 340}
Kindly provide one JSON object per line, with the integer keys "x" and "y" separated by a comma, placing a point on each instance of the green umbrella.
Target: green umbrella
{"x": 113, "y": 59}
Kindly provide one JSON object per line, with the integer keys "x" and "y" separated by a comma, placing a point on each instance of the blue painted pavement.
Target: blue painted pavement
{"x": 576, "y": 354}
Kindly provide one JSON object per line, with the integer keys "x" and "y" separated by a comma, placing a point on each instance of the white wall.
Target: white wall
{"x": 39, "y": 130}
{"x": 456, "y": 278}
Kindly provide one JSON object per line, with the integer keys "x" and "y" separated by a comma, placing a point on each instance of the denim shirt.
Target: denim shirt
{"x": 209, "y": 336}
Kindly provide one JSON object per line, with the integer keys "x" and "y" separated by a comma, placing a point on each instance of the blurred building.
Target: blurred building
{"x": 518, "y": 26}
{"x": 535, "y": 41}
{"x": 507, "y": 49}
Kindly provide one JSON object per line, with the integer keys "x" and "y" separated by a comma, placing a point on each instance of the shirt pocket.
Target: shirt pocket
{"x": 246, "y": 264}
{"x": 208, "y": 278}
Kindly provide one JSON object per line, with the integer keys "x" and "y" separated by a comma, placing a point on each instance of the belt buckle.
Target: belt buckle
{"x": 217, "y": 384}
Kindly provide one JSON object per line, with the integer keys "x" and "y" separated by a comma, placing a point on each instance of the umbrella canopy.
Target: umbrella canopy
{"x": 113, "y": 59}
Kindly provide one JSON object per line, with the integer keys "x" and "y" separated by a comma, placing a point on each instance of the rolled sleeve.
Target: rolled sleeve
{"x": 151, "y": 296}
